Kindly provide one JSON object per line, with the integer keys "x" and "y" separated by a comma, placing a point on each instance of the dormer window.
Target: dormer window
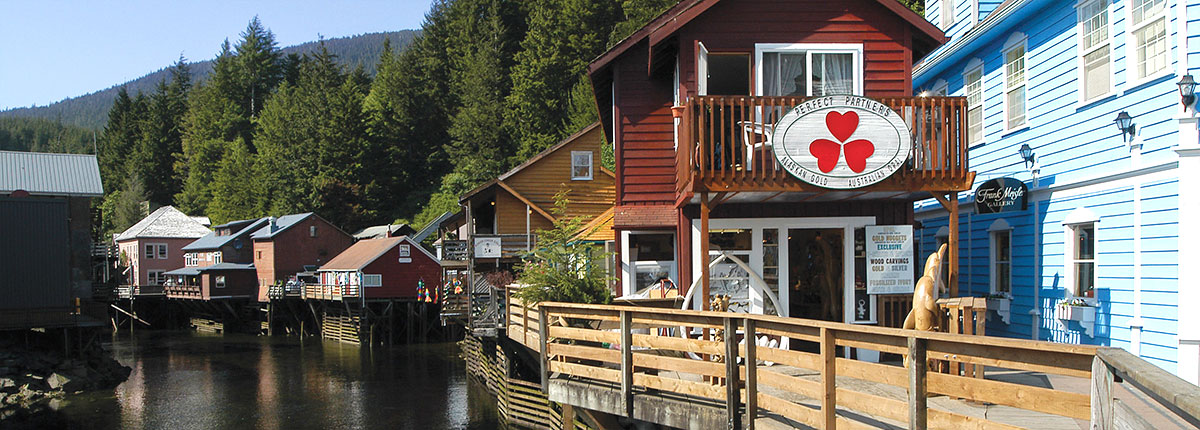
{"x": 809, "y": 70}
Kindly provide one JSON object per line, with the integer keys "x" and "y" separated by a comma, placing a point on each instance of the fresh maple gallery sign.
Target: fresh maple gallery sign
{"x": 841, "y": 142}
{"x": 1001, "y": 195}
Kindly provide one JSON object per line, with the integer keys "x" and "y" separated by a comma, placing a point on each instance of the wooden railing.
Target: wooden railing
{"x": 725, "y": 145}
{"x": 511, "y": 246}
{"x": 183, "y": 291}
{"x": 640, "y": 351}
{"x": 330, "y": 292}
{"x": 454, "y": 250}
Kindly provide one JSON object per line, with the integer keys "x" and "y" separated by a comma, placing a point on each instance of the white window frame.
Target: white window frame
{"x": 972, "y": 68}
{"x": 312, "y": 231}
{"x": 157, "y": 251}
{"x": 946, "y": 9}
{"x": 217, "y": 257}
{"x": 856, "y": 49}
{"x": 155, "y": 277}
{"x": 1132, "y": 43}
{"x": 1000, "y": 228}
{"x": 370, "y": 280}
{"x": 189, "y": 259}
{"x": 219, "y": 281}
{"x": 1017, "y": 40}
{"x": 590, "y": 166}
{"x": 148, "y": 251}
{"x": 1082, "y": 52}
{"x": 1071, "y": 235}
{"x": 629, "y": 268}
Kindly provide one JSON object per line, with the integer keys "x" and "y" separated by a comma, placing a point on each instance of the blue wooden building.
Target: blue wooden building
{"x": 1113, "y": 214}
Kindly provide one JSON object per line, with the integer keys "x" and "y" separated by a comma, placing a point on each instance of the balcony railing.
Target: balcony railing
{"x": 731, "y": 150}
{"x": 183, "y": 291}
{"x": 511, "y": 246}
{"x": 331, "y": 292}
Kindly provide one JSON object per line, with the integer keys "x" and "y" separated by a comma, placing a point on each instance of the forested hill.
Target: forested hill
{"x": 91, "y": 110}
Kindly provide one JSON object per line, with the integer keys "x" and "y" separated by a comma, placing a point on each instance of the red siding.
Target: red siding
{"x": 288, "y": 252}
{"x": 238, "y": 283}
{"x": 645, "y": 133}
{"x": 400, "y": 279}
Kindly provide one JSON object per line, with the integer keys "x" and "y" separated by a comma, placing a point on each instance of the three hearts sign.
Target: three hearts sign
{"x": 841, "y": 142}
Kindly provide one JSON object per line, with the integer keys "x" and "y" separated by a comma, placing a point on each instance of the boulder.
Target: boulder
{"x": 57, "y": 381}
{"x": 7, "y": 384}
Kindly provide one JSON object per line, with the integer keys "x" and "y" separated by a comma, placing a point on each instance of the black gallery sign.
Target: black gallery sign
{"x": 1001, "y": 195}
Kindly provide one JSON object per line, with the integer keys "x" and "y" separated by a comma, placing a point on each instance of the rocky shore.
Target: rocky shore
{"x": 35, "y": 374}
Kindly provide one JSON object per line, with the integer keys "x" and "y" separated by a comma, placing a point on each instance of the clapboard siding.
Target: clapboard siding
{"x": 511, "y": 216}
{"x": 539, "y": 182}
{"x": 646, "y": 166}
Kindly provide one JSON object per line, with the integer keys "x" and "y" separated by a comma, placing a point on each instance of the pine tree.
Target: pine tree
{"x": 636, "y": 14}
{"x": 235, "y": 189}
{"x": 259, "y": 64}
{"x": 122, "y": 132}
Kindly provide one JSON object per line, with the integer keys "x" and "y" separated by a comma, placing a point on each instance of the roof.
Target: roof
{"x": 530, "y": 161}
{"x": 362, "y": 253}
{"x": 165, "y": 222}
{"x": 599, "y": 228}
{"x": 998, "y": 19}
{"x": 432, "y": 227}
{"x": 227, "y": 266}
{"x": 212, "y": 241}
{"x": 685, "y": 11}
{"x": 43, "y": 174}
{"x": 183, "y": 271}
{"x": 281, "y": 224}
{"x": 379, "y": 231}
{"x": 203, "y": 220}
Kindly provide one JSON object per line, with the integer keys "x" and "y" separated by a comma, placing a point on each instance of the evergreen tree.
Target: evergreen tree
{"x": 127, "y": 203}
{"x": 235, "y": 188}
{"x": 260, "y": 69}
{"x": 212, "y": 119}
{"x": 636, "y": 14}
{"x": 161, "y": 141}
{"x": 563, "y": 36}
{"x": 121, "y": 134}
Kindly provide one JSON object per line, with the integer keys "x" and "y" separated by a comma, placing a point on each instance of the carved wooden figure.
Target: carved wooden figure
{"x": 925, "y": 314}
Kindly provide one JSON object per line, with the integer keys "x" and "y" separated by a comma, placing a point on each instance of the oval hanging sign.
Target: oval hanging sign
{"x": 1001, "y": 195}
{"x": 841, "y": 142}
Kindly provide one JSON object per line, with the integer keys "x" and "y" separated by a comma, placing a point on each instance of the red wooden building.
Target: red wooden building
{"x": 692, "y": 102}
{"x": 385, "y": 268}
{"x": 287, "y": 244}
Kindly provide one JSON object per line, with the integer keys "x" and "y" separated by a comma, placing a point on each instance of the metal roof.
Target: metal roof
{"x": 378, "y": 231}
{"x": 432, "y": 227}
{"x": 183, "y": 271}
{"x": 362, "y": 253}
{"x": 166, "y": 222}
{"x": 44, "y": 174}
{"x": 282, "y": 223}
{"x": 212, "y": 241}
{"x": 227, "y": 266}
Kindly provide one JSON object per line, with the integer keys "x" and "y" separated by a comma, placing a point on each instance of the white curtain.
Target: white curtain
{"x": 783, "y": 74}
{"x": 833, "y": 74}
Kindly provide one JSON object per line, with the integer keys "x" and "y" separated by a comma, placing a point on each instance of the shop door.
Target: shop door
{"x": 816, "y": 270}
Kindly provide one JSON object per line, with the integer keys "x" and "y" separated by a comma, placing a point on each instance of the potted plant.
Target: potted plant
{"x": 1080, "y": 310}
{"x": 1001, "y": 304}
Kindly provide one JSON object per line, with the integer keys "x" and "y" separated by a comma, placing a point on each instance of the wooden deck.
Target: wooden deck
{"x": 1027, "y": 384}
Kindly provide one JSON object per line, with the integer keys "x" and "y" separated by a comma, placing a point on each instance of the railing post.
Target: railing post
{"x": 1102, "y": 395}
{"x": 627, "y": 363}
{"x": 732, "y": 376}
{"x": 544, "y": 337}
{"x": 829, "y": 378}
{"x": 918, "y": 411}
{"x": 751, "y": 373}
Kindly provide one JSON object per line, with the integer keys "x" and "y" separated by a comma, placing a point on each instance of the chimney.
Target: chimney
{"x": 274, "y": 226}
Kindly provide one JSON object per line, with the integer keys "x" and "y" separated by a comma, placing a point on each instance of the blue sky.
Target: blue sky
{"x": 55, "y": 49}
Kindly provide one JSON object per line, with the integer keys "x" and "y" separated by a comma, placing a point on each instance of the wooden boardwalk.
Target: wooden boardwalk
{"x": 685, "y": 381}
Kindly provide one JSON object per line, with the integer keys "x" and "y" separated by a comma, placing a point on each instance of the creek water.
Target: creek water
{"x": 184, "y": 380}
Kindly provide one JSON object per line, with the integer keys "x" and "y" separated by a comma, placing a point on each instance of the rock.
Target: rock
{"x": 6, "y": 383}
{"x": 57, "y": 381}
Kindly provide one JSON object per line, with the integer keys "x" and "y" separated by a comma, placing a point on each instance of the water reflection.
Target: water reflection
{"x": 186, "y": 381}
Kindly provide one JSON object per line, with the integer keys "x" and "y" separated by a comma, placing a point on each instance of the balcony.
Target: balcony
{"x": 732, "y": 152}
{"x": 511, "y": 246}
{"x": 330, "y": 292}
{"x": 183, "y": 291}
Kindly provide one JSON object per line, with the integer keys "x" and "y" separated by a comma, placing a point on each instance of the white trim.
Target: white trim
{"x": 974, "y": 66}
{"x": 1132, "y": 42}
{"x": 1080, "y": 216}
{"x": 1069, "y": 261}
{"x": 993, "y": 252}
{"x": 946, "y": 14}
{"x": 810, "y": 48}
{"x": 367, "y": 277}
{"x": 590, "y": 166}
{"x": 1000, "y": 224}
{"x": 628, "y": 269}
{"x": 1015, "y": 41}
{"x": 1081, "y": 64}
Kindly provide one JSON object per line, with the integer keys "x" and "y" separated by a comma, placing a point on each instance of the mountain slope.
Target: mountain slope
{"x": 91, "y": 110}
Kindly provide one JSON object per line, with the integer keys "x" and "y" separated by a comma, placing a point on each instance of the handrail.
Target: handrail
{"x": 570, "y": 337}
{"x": 1173, "y": 393}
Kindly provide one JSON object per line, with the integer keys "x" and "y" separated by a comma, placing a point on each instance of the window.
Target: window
{"x": 258, "y": 255}
{"x": 1148, "y": 26}
{"x": 809, "y": 70}
{"x": 219, "y": 281}
{"x": 581, "y": 165}
{"x": 1082, "y": 258}
{"x": 1094, "y": 60}
{"x": 149, "y": 252}
{"x": 973, "y": 89}
{"x": 947, "y": 14}
{"x": 650, "y": 257}
{"x": 1002, "y": 262}
{"x": 155, "y": 277}
{"x": 156, "y": 251}
{"x": 1014, "y": 86}
{"x": 312, "y": 231}
{"x": 372, "y": 280}
{"x": 217, "y": 257}
{"x": 728, "y": 74}
{"x": 189, "y": 259}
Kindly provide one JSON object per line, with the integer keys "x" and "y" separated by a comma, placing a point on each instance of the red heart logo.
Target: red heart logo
{"x": 842, "y": 125}
{"x": 857, "y": 152}
{"x": 827, "y": 153}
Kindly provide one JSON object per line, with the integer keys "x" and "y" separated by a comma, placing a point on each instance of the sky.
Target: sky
{"x": 54, "y": 49}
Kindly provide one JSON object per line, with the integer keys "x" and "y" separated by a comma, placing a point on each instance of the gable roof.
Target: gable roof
{"x": 212, "y": 241}
{"x": 568, "y": 140}
{"x": 44, "y": 174}
{"x": 432, "y": 227}
{"x": 378, "y": 231}
{"x": 362, "y": 253}
{"x": 997, "y": 20}
{"x": 668, "y": 22}
{"x": 599, "y": 228}
{"x": 281, "y": 224}
{"x": 165, "y": 222}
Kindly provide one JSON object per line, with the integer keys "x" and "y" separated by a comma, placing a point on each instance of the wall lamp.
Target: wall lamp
{"x": 1030, "y": 159}
{"x": 1187, "y": 90}
{"x": 1125, "y": 123}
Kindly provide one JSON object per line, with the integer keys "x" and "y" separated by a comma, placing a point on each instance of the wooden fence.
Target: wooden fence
{"x": 588, "y": 343}
{"x": 520, "y": 403}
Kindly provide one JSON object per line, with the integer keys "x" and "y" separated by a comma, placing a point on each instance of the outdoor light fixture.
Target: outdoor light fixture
{"x": 1125, "y": 123}
{"x": 1027, "y": 154}
{"x": 1187, "y": 90}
